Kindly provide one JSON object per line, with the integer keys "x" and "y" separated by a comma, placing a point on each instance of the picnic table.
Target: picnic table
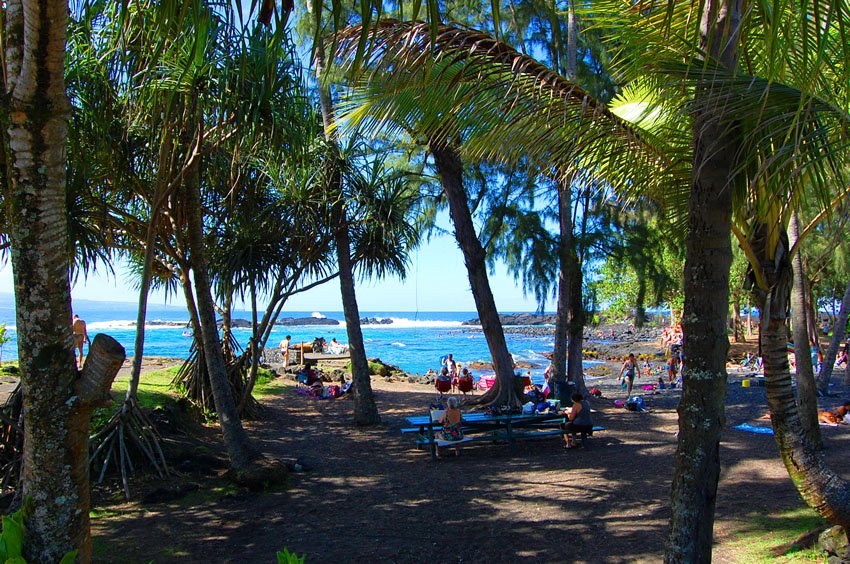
{"x": 483, "y": 427}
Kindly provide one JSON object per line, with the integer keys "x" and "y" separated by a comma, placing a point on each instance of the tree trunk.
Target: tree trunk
{"x": 737, "y": 323}
{"x": 706, "y": 273}
{"x": 365, "y": 410}
{"x": 562, "y": 319}
{"x": 819, "y": 486}
{"x": 239, "y": 447}
{"x": 450, "y": 169}
{"x": 57, "y": 399}
{"x": 807, "y": 392}
{"x": 640, "y": 300}
{"x": 838, "y": 331}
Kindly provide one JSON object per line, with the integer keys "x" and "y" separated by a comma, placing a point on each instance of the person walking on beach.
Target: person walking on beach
{"x": 628, "y": 373}
{"x": 284, "y": 350}
{"x": 81, "y": 337}
{"x": 672, "y": 369}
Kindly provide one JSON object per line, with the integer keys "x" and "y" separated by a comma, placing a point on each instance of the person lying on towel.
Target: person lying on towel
{"x": 836, "y": 415}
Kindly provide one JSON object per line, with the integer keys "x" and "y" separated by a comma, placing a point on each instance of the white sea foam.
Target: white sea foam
{"x": 129, "y": 324}
{"x": 317, "y": 315}
{"x": 406, "y": 323}
{"x": 397, "y": 344}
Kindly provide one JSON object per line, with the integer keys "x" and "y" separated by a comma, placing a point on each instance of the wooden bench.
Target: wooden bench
{"x": 478, "y": 427}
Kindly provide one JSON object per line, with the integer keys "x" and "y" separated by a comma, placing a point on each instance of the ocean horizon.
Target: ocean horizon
{"x": 413, "y": 341}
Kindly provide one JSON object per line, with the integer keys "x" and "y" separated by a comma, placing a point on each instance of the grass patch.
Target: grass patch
{"x": 155, "y": 391}
{"x": 268, "y": 385}
{"x": 754, "y": 542}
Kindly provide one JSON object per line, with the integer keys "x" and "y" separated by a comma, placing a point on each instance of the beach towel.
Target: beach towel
{"x": 754, "y": 429}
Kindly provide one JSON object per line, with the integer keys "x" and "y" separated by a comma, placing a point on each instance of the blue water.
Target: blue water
{"x": 414, "y": 341}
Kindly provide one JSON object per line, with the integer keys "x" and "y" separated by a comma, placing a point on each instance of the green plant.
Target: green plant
{"x": 4, "y": 338}
{"x": 12, "y": 539}
{"x": 286, "y": 557}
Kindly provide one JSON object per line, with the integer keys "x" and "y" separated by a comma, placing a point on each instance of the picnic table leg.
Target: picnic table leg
{"x": 511, "y": 442}
{"x": 432, "y": 442}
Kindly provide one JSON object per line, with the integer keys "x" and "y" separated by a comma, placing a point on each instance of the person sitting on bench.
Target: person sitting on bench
{"x": 451, "y": 422}
{"x": 579, "y": 420}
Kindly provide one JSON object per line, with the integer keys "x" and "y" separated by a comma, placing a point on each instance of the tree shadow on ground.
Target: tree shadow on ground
{"x": 370, "y": 495}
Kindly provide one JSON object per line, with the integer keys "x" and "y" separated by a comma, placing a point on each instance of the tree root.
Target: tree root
{"x": 128, "y": 426}
{"x": 11, "y": 440}
{"x": 192, "y": 378}
{"x": 260, "y": 473}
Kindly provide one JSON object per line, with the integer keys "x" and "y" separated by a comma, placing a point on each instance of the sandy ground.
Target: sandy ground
{"x": 368, "y": 495}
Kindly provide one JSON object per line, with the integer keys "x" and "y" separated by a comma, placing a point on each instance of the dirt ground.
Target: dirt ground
{"x": 367, "y": 495}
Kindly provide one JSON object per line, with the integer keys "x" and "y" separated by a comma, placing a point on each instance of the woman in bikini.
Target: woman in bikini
{"x": 628, "y": 372}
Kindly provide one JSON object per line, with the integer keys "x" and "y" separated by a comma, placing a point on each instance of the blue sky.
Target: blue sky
{"x": 437, "y": 281}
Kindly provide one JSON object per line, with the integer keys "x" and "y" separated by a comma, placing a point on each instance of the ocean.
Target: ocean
{"x": 414, "y": 341}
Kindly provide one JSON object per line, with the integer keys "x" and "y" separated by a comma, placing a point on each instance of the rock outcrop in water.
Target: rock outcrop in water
{"x": 375, "y": 321}
{"x": 520, "y": 319}
{"x": 290, "y": 321}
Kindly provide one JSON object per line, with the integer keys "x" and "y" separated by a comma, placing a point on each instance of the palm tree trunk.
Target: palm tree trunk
{"x": 239, "y": 448}
{"x": 450, "y": 169}
{"x": 707, "y": 263}
{"x": 562, "y": 320}
{"x": 58, "y": 401}
{"x": 365, "y": 410}
{"x": 807, "y": 392}
{"x": 819, "y": 486}
{"x": 838, "y": 331}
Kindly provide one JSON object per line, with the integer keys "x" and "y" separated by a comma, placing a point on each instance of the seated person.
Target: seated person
{"x": 465, "y": 382}
{"x": 836, "y": 415}
{"x": 335, "y": 347}
{"x": 451, "y": 422}
{"x": 579, "y": 420}
{"x": 443, "y": 382}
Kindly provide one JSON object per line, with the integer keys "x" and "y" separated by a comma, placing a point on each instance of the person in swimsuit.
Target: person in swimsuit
{"x": 284, "y": 349}
{"x": 672, "y": 369}
{"x": 81, "y": 337}
{"x": 452, "y": 422}
{"x": 628, "y": 372}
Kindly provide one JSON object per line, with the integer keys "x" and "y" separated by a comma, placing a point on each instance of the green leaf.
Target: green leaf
{"x": 69, "y": 558}
{"x": 13, "y": 536}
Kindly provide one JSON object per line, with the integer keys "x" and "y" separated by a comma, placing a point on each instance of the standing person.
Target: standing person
{"x": 672, "y": 369}
{"x": 628, "y": 372}
{"x": 284, "y": 349}
{"x": 451, "y": 365}
{"x": 81, "y": 337}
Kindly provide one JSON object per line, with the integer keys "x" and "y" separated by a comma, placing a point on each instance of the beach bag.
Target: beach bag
{"x": 528, "y": 408}
{"x": 635, "y": 403}
{"x": 596, "y": 392}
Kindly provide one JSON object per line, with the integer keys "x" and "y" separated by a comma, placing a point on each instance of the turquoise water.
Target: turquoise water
{"x": 414, "y": 341}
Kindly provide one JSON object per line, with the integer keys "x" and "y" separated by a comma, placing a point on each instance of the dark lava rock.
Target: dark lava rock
{"x": 290, "y": 321}
{"x": 520, "y": 319}
{"x": 375, "y": 321}
{"x": 169, "y": 493}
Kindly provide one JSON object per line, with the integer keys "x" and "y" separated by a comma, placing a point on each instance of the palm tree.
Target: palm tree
{"x": 723, "y": 132}
{"x": 58, "y": 402}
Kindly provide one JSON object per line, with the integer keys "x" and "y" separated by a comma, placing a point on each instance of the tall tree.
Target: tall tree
{"x": 58, "y": 401}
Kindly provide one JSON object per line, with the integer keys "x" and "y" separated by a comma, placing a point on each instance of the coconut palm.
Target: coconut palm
{"x": 730, "y": 121}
